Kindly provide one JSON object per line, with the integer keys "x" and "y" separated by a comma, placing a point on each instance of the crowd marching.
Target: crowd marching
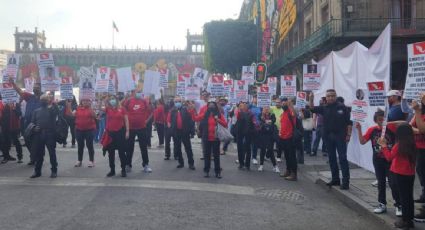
{"x": 116, "y": 121}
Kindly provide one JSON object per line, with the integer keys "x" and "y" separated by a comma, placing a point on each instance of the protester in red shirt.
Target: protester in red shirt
{"x": 181, "y": 125}
{"x": 68, "y": 107}
{"x": 380, "y": 164}
{"x": 139, "y": 112}
{"x": 403, "y": 160}
{"x": 168, "y": 133}
{"x": 11, "y": 118}
{"x": 85, "y": 124}
{"x": 209, "y": 120}
{"x": 160, "y": 119}
{"x": 287, "y": 126}
{"x": 117, "y": 127}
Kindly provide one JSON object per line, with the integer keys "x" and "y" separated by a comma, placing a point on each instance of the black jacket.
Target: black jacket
{"x": 188, "y": 123}
{"x": 45, "y": 118}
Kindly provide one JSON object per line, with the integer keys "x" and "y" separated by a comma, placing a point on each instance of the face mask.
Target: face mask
{"x": 285, "y": 107}
{"x": 212, "y": 108}
{"x": 113, "y": 102}
{"x": 273, "y": 103}
{"x": 178, "y": 105}
{"x": 138, "y": 95}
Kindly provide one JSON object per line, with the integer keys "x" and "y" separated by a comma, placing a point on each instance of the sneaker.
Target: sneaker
{"x": 382, "y": 208}
{"x": 90, "y": 164}
{"x": 420, "y": 217}
{"x": 20, "y": 161}
{"x": 375, "y": 183}
{"x": 236, "y": 161}
{"x": 147, "y": 169}
{"x": 254, "y": 161}
{"x": 399, "y": 213}
{"x": 279, "y": 160}
{"x": 78, "y": 164}
{"x": 260, "y": 169}
{"x": 276, "y": 169}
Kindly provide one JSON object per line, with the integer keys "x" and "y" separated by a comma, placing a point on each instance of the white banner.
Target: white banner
{"x": 263, "y": 96}
{"x": 12, "y": 66}
{"x": 217, "y": 85}
{"x": 49, "y": 78}
{"x": 164, "y": 73}
{"x": 311, "y": 77}
{"x": 151, "y": 85}
{"x": 359, "y": 111}
{"x": 241, "y": 91}
{"x": 29, "y": 84}
{"x": 301, "y": 101}
{"x": 66, "y": 88}
{"x": 181, "y": 84}
{"x": 87, "y": 83}
{"x": 125, "y": 80}
{"x": 45, "y": 60}
{"x": 272, "y": 83}
{"x": 200, "y": 76}
{"x": 9, "y": 94}
{"x": 228, "y": 85}
{"x": 102, "y": 79}
{"x": 415, "y": 80}
{"x": 288, "y": 86}
{"x": 248, "y": 74}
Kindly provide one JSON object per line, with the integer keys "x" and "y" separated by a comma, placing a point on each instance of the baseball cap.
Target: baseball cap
{"x": 394, "y": 93}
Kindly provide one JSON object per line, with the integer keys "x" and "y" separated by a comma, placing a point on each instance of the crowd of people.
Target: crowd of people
{"x": 116, "y": 121}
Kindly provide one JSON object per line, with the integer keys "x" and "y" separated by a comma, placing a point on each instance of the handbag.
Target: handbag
{"x": 308, "y": 124}
{"x": 222, "y": 133}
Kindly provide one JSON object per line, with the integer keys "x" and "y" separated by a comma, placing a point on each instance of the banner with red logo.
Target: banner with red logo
{"x": 301, "y": 101}
{"x": 415, "y": 80}
{"x": 66, "y": 88}
{"x": 228, "y": 85}
{"x": 49, "y": 78}
{"x": 9, "y": 94}
{"x": 272, "y": 83}
{"x": 377, "y": 95}
{"x": 163, "y": 74}
{"x": 102, "y": 79}
{"x": 241, "y": 91}
{"x": 263, "y": 96}
{"x": 181, "y": 84}
{"x": 45, "y": 60}
{"x": 248, "y": 74}
{"x": 217, "y": 85}
{"x": 311, "y": 77}
{"x": 288, "y": 86}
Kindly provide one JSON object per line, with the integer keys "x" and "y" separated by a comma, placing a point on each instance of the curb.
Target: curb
{"x": 354, "y": 203}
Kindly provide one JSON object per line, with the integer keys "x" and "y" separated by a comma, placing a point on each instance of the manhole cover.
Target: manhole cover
{"x": 280, "y": 195}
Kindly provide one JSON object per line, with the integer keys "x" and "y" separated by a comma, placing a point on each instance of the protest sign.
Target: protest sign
{"x": 102, "y": 79}
{"x": 359, "y": 110}
{"x": 12, "y": 67}
{"x": 125, "y": 79}
{"x": 376, "y": 95}
{"x": 87, "y": 83}
{"x": 112, "y": 84}
{"x": 301, "y": 101}
{"x": 29, "y": 84}
{"x": 192, "y": 93}
{"x": 45, "y": 60}
{"x": 66, "y": 88}
{"x": 164, "y": 73}
{"x": 311, "y": 77}
{"x": 181, "y": 84}
{"x": 200, "y": 77}
{"x": 241, "y": 91}
{"x": 9, "y": 94}
{"x": 415, "y": 80}
{"x": 217, "y": 85}
{"x": 272, "y": 83}
{"x": 248, "y": 74}
{"x": 151, "y": 84}
{"x": 228, "y": 85}
{"x": 49, "y": 78}
{"x": 263, "y": 96}
{"x": 288, "y": 86}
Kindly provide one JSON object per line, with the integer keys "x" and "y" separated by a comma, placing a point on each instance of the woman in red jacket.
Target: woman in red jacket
{"x": 85, "y": 124}
{"x": 159, "y": 119}
{"x": 209, "y": 120}
{"x": 403, "y": 161}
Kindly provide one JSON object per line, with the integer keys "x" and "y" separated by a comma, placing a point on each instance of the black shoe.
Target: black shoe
{"x": 31, "y": 163}
{"x": 192, "y": 167}
{"x": 420, "y": 217}
{"x": 11, "y": 159}
{"x": 167, "y": 158}
{"x": 218, "y": 175}
{"x": 206, "y": 174}
{"x": 35, "y": 175}
{"x": 123, "y": 173}
{"x": 404, "y": 224}
{"x": 19, "y": 161}
{"x": 4, "y": 161}
{"x": 333, "y": 183}
{"x": 202, "y": 158}
{"x": 313, "y": 154}
{"x": 241, "y": 167}
{"x": 53, "y": 175}
{"x": 110, "y": 174}
{"x": 180, "y": 166}
{"x": 344, "y": 186}
{"x": 421, "y": 200}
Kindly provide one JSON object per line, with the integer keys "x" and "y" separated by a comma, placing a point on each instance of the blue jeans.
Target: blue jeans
{"x": 307, "y": 141}
{"x": 101, "y": 129}
{"x": 337, "y": 143}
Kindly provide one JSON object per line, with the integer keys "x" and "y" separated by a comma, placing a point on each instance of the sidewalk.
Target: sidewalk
{"x": 361, "y": 196}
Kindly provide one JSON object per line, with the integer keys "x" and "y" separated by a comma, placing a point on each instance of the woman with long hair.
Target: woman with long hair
{"x": 85, "y": 124}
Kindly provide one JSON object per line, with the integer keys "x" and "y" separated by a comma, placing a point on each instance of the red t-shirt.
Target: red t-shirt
{"x": 419, "y": 138}
{"x": 115, "y": 118}
{"x": 375, "y": 132}
{"x": 84, "y": 119}
{"x": 287, "y": 126}
{"x": 211, "y": 123}
{"x": 138, "y": 112}
{"x": 400, "y": 165}
{"x": 159, "y": 115}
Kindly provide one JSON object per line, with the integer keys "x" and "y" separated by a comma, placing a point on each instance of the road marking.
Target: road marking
{"x": 155, "y": 184}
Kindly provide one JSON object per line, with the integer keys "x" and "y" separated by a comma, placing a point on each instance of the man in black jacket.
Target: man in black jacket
{"x": 181, "y": 126}
{"x": 44, "y": 119}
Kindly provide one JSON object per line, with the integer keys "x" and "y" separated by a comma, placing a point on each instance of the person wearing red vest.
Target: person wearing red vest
{"x": 117, "y": 127}
{"x": 160, "y": 119}
{"x": 85, "y": 124}
{"x": 288, "y": 123}
{"x": 139, "y": 112}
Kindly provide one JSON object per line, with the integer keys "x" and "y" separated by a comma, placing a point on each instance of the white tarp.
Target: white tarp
{"x": 350, "y": 69}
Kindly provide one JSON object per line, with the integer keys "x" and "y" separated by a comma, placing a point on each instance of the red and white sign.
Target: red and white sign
{"x": 164, "y": 73}
{"x": 288, "y": 86}
{"x": 301, "y": 100}
{"x": 359, "y": 111}
{"x": 272, "y": 83}
{"x": 217, "y": 85}
{"x": 29, "y": 84}
{"x": 66, "y": 88}
{"x": 248, "y": 74}
{"x": 181, "y": 84}
{"x": 9, "y": 94}
{"x": 228, "y": 86}
{"x": 102, "y": 79}
{"x": 12, "y": 67}
{"x": 415, "y": 80}
{"x": 49, "y": 78}
{"x": 311, "y": 77}
{"x": 241, "y": 91}
{"x": 377, "y": 95}
{"x": 263, "y": 96}
{"x": 45, "y": 60}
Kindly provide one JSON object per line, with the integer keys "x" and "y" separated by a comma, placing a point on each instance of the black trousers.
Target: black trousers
{"x": 382, "y": 172}
{"x": 85, "y": 137}
{"x": 244, "y": 150}
{"x": 142, "y": 138}
{"x": 405, "y": 189}
{"x": 179, "y": 138}
{"x": 160, "y": 129}
{"x": 71, "y": 123}
{"x": 149, "y": 132}
{"x": 420, "y": 169}
{"x": 13, "y": 137}
{"x": 41, "y": 141}
{"x": 288, "y": 149}
{"x": 168, "y": 136}
{"x": 118, "y": 143}
{"x": 266, "y": 147}
{"x": 214, "y": 148}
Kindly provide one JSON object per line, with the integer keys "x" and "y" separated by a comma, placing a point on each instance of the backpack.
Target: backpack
{"x": 61, "y": 130}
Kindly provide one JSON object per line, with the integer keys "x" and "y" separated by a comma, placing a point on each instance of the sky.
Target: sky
{"x": 141, "y": 23}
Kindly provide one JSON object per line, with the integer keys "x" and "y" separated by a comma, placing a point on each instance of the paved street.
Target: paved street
{"x": 168, "y": 198}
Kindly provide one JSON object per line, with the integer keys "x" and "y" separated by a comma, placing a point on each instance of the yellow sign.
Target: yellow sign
{"x": 287, "y": 17}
